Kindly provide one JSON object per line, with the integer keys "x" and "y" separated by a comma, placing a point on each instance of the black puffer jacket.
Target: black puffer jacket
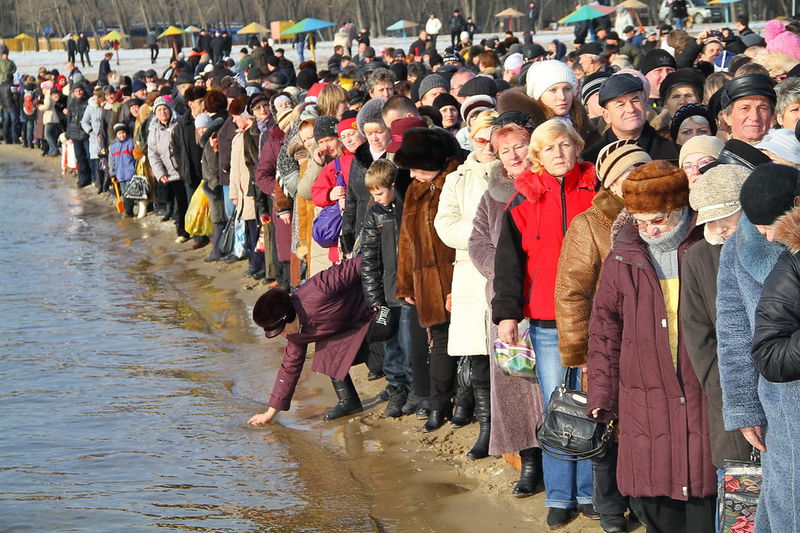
{"x": 379, "y": 241}
{"x": 776, "y": 343}
{"x": 355, "y": 205}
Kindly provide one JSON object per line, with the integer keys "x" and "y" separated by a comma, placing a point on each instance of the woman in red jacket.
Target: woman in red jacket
{"x": 549, "y": 195}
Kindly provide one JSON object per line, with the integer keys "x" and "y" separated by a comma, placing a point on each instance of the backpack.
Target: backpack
{"x": 28, "y": 104}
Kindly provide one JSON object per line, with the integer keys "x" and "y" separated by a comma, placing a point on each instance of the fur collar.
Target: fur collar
{"x": 756, "y": 254}
{"x": 364, "y": 155}
{"x": 787, "y": 230}
{"x": 501, "y": 187}
{"x": 534, "y": 185}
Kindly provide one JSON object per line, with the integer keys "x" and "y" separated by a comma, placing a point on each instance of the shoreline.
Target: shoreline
{"x": 400, "y": 467}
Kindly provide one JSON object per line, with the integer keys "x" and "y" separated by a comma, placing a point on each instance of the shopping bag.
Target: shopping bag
{"x": 739, "y": 490}
{"x": 517, "y": 360}
{"x": 138, "y": 188}
{"x": 239, "y": 247}
{"x": 198, "y": 218}
{"x": 227, "y": 237}
{"x": 327, "y": 226}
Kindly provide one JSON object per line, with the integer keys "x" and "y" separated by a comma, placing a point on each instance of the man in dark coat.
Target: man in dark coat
{"x": 104, "y": 69}
{"x": 152, "y": 44}
{"x": 456, "y": 23}
{"x": 217, "y": 48}
{"x": 329, "y": 310}
{"x": 204, "y": 41}
{"x": 533, "y": 16}
{"x": 80, "y": 139}
{"x": 623, "y": 101}
{"x": 227, "y": 43}
{"x": 83, "y": 50}
{"x": 72, "y": 49}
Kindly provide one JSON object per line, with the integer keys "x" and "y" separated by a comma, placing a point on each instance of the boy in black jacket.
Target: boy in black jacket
{"x": 379, "y": 243}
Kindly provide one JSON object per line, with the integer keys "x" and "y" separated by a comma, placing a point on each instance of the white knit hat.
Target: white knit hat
{"x": 514, "y": 63}
{"x": 544, "y": 74}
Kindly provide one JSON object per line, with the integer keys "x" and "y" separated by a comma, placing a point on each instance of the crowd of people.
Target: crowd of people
{"x": 628, "y": 208}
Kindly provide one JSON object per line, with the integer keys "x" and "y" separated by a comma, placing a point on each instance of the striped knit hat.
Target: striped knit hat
{"x": 617, "y": 158}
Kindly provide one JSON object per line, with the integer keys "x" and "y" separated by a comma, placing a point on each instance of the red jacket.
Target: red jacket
{"x": 326, "y": 181}
{"x": 534, "y": 224}
{"x": 664, "y": 448}
{"x": 334, "y": 315}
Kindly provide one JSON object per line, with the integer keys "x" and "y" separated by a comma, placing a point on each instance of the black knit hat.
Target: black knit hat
{"x": 426, "y": 149}
{"x": 682, "y": 77}
{"x": 444, "y": 100}
{"x": 656, "y": 59}
{"x": 769, "y": 192}
{"x": 691, "y": 110}
{"x": 325, "y": 126}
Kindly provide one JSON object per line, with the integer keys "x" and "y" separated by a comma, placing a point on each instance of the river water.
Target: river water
{"x": 125, "y": 381}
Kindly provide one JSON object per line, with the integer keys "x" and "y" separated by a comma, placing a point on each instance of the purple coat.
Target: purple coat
{"x": 664, "y": 449}
{"x": 516, "y": 402}
{"x": 334, "y": 315}
{"x": 266, "y": 181}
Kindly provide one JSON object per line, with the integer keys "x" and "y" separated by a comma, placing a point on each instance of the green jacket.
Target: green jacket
{"x": 7, "y": 70}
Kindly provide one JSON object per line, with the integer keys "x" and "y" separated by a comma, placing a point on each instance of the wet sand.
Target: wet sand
{"x": 404, "y": 480}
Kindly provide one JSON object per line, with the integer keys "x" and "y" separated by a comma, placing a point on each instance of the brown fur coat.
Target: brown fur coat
{"x": 425, "y": 263}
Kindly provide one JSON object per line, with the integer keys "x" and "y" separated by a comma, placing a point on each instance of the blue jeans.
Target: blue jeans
{"x": 397, "y": 351}
{"x": 30, "y": 126}
{"x": 10, "y": 126}
{"x": 680, "y": 23}
{"x": 300, "y": 47}
{"x": 51, "y": 136}
{"x": 566, "y": 483}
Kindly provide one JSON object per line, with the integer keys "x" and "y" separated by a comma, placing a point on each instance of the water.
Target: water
{"x": 125, "y": 381}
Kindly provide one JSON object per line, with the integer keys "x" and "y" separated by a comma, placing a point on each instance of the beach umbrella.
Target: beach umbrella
{"x": 23, "y": 39}
{"x": 113, "y": 35}
{"x": 402, "y": 25}
{"x": 191, "y": 29}
{"x": 509, "y": 14}
{"x": 632, "y": 6}
{"x": 171, "y": 32}
{"x": 253, "y": 27}
{"x": 307, "y": 24}
{"x": 587, "y": 13}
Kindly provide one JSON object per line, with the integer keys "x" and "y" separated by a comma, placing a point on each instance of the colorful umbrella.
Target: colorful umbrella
{"x": 253, "y": 27}
{"x": 23, "y": 36}
{"x": 307, "y": 25}
{"x": 587, "y": 13}
{"x": 113, "y": 35}
{"x": 169, "y": 32}
{"x": 192, "y": 29}
{"x": 633, "y": 4}
{"x": 402, "y": 25}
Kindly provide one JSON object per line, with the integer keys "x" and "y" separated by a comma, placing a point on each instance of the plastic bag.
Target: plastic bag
{"x": 239, "y": 246}
{"x": 198, "y": 219}
{"x": 517, "y": 360}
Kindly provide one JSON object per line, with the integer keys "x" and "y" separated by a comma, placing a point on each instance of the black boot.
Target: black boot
{"x": 436, "y": 419}
{"x": 483, "y": 413}
{"x": 397, "y": 399}
{"x": 349, "y": 402}
{"x": 531, "y": 473}
{"x": 464, "y": 407}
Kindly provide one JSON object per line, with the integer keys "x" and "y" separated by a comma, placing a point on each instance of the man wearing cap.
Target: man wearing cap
{"x": 432, "y": 86}
{"x": 657, "y": 65}
{"x": 329, "y": 310}
{"x": 457, "y": 81}
{"x": 748, "y": 106}
{"x": 589, "y": 58}
{"x": 633, "y": 53}
{"x": 623, "y": 102}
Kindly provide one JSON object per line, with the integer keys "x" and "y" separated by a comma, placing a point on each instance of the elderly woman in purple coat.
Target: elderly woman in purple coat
{"x": 329, "y": 310}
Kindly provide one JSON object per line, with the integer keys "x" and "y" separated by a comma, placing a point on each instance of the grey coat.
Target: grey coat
{"x": 158, "y": 143}
{"x": 92, "y": 124}
{"x": 516, "y": 402}
{"x": 746, "y": 260}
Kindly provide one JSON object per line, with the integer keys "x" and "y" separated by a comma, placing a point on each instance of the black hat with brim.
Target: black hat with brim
{"x": 748, "y": 85}
{"x": 619, "y": 85}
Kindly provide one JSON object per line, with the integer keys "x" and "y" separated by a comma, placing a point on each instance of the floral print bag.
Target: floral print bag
{"x": 739, "y": 490}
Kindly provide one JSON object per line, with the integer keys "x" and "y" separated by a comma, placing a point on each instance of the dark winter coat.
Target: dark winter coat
{"x": 102, "y": 72}
{"x": 425, "y": 263}
{"x": 698, "y": 316}
{"x": 334, "y": 315}
{"x": 77, "y": 107}
{"x": 530, "y": 242}
{"x": 664, "y": 448}
{"x": 355, "y": 205}
{"x": 456, "y": 23}
{"x": 83, "y": 44}
{"x": 185, "y": 151}
{"x": 379, "y": 244}
{"x": 775, "y": 354}
{"x": 657, "y": 146}
{"x": 267, "y": 183}
{"x": 225, "y": 140}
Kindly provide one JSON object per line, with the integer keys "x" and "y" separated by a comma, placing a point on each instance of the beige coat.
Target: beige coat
{"x": 461, "y": 193}
{"x": 240, "y": 178}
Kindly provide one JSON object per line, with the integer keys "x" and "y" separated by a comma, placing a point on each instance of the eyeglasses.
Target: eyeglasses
{"x": 690, "y": 167}
{"x": 662, "y": 220}
{"x": 480, "y": 143}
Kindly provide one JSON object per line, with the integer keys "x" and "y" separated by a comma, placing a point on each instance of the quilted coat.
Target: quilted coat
{"x": 664, "y": 448}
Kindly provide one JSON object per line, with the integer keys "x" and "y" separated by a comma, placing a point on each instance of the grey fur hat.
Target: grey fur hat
{"x": 370, "y": 112}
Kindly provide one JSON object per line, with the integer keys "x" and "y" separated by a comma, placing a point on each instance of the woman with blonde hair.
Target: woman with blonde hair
{"x": 332, "y": 101}
{"x": 558, "y": 187}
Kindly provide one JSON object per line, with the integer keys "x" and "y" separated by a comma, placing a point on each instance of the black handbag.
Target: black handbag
{"x": 568, "y": 433}
{"x": 228, "y": 236}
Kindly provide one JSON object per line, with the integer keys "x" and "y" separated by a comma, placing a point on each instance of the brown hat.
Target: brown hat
{"x": 657, "y": 187}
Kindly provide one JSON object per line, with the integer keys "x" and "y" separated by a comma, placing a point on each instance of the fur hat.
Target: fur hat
{"x": 273, "y": 310}
{"x": 617, "y": 158}
{"x": 215, "y": 102}
{"x": 195, "y": 92}
{"x": 769, "y": 192}
{"x": 325, "y": 126}
{"x": 370, "y": 113}
{"x": 426, "y": 149}
{"x": 657, "y": 187}
{"x": 545, "y": 74}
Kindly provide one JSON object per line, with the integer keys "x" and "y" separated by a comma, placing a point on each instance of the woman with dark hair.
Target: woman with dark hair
{"x": 425, "y": 263}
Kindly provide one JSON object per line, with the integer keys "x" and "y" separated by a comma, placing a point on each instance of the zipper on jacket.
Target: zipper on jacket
{"x": 563, "y": 209}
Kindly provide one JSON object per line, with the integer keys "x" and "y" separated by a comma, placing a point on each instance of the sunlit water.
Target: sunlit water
{"x": 124, "y": 383}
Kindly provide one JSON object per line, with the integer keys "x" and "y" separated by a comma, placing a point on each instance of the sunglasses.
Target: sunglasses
{"x": 656, "y": 222}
